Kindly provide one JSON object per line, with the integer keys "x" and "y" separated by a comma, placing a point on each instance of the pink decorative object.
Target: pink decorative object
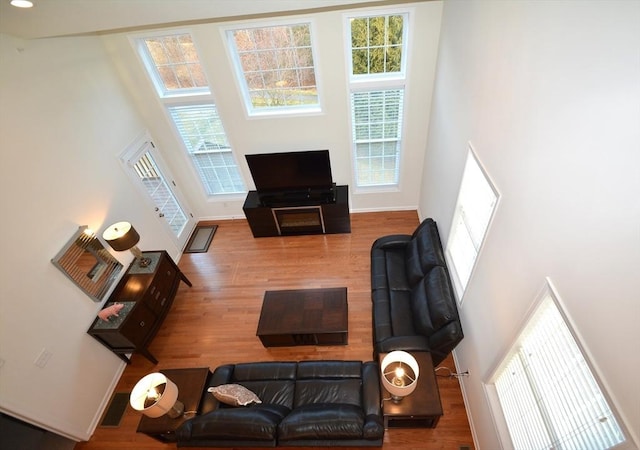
{"x": 112, "y": 310}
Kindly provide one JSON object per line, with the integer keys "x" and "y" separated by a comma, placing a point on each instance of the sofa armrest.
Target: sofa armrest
{"x": 222, "y": 375}
{"x": 371, "y": 400}
{"x": 391, "y": 241}
{"x": 417, "y": 343}
{"x": 443, "y": 341}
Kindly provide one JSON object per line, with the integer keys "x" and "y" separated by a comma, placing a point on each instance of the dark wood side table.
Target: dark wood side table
{"x": 191, "y": 384}
{"x": 304, "y": 317}
{"x": 421, "y": 409}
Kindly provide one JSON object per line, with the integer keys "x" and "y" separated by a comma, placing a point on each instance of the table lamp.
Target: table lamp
{"x": 400, "y": 373}
{"x": 155, "y": 395}
{"x": 122, "y": 236}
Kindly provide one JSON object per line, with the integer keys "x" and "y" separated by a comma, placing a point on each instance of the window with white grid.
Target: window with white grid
{"x": 547, "y": 392}
{"x": 174, "y": 65}
{"x": 477, "y": 199}
{"x": 377, "y": 124}
{"x": 206, "y": 142}
{"x": 376, "y": 45}
{"x": 275, "y": 68}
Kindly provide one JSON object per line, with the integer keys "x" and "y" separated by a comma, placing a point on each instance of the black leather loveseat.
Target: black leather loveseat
{"x": 308, "y": 403}
{"x": 413, "y": 303}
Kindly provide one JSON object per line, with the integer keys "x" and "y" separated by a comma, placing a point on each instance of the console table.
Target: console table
{"x": 421, "y": 409}
{"x": 299, "y": 216}
{"x": 147, "y": 294}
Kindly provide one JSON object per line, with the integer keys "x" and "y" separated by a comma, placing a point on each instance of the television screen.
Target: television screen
{"x": 303, "y": 170}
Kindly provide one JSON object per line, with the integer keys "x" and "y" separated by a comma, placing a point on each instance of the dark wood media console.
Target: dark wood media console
{"x": 299, "y": 215}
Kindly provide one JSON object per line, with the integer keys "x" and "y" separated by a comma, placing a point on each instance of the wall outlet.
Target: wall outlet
{"x": 43, "y": 358}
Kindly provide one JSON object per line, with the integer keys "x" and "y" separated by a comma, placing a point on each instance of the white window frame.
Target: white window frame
{"x": 256, "y": 113}
{"x": 459, "y": 283}
{"x": 378, "y": 82}
{"x": 191, "y": 155}
{"x": 182, "y": 97}
{"x": 547, "y": 293}
{"x": 138, "y": 42}
{"x": 397, "y": 141}
{"x": 407, "y": 13}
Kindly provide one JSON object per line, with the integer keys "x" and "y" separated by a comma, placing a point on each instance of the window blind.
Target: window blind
{"x": 377, "y": 128}
{"x": 476, "y": 202}
{"x": 548, "y": 394}
{"x": 203, "y": 135}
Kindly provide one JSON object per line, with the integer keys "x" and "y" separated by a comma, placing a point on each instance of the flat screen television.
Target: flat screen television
{"x": 291, "y": 171}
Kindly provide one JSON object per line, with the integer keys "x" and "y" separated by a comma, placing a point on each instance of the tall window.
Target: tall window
{"x": 377, "y": 57}
{"x": 275, "y": 67}
{"x": 547, "y": 392}
{"x": 477, "y": 200}
{"x": 173, "y": 64}
{"x": 377, "y": 123}
{"x": 202, "y": 132}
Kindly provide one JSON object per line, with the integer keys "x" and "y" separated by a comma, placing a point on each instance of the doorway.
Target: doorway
{"x": 144, "y": 165}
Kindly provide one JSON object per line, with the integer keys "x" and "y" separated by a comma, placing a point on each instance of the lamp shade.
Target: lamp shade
{"x": 154, "y": 395}
{"x": 121, "y": 236}
{"x": 400, "y": 373}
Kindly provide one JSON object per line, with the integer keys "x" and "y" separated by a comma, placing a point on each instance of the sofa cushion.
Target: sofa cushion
{"x": 257, "y": 422}
{"x": 327, "y": 391}
{"x": 396, "y": 271}
{"x": 381, "y": 315}
{"x": 323, "y": 421}
{"x": 265, "y": 371}
{"x": 442, "y": 302}
{"x": 400, "y": 306}
{"x": 433, "y": 302}
{"x": 234, "y": 395}
{"x": 329, "y": 369}
{"x": 273, "y": 382}
{"x": 423, "y": 252}
{"x": 279, "y": 392}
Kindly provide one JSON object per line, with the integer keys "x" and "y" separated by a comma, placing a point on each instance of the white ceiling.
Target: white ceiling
{"x": 52, "y": 18}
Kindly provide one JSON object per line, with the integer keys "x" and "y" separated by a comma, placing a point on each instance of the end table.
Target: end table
{"x": 421, "y": 409}
{"x": 191, "y": 384}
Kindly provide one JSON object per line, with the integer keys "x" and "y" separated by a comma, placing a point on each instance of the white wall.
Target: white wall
{"x": 549, "y": 95}
{"x": 330, "y": 130}
{"x": 64, "y": 118}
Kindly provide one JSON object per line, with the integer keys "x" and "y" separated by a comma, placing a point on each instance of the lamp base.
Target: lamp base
{"x": 177, "y": 410}
{"x": 144, "y": 262}
{"x": 396, "y": 398}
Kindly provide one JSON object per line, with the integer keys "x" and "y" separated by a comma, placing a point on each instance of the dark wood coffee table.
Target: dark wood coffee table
{"x": 191, "y": 384}
{"x": 304, "y": 317}
{"x": 422, "y": 408}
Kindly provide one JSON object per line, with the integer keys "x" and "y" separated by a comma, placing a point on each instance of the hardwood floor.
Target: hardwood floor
{"x": 215, "y": 321}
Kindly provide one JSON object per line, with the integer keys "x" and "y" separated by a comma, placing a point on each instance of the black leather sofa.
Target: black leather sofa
{"x": 414, "y": 307}
{"x": 308, "y": 403}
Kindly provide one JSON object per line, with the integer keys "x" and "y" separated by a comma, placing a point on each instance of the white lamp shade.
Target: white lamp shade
{"x": 149, "y": 387}
{"x": 400, "y": 373}
{"x": 121, "y": 236}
